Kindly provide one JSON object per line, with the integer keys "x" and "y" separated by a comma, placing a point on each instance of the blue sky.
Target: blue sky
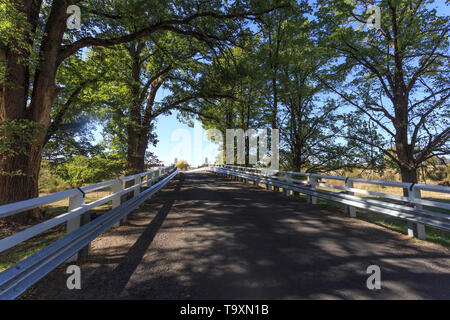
{"x": 177, "y": 140}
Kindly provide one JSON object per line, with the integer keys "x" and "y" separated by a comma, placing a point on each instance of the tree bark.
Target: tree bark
{"x": 20, "y": 171}
{"x": 137, "y": 146}
{"x": 404, "y": 150}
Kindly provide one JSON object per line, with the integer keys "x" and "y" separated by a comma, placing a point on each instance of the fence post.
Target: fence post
{"x": 313, "y": 183}
{"x": 246, "y": 181}
{"x": 268, "y": 186}
{"x": 149, "y": 180}
{"x": 287, "y": 192}
{"x": 349, "y": 209}
{"x": 127, "y": 196}
{"x": 415, "y": 229}
{"x": 275, "y": 188}
{"x": 295, "y": 193}
{"x": 75, "y": 223}
{"x": 137, "y": 181}
{"x": 117, "y": 187}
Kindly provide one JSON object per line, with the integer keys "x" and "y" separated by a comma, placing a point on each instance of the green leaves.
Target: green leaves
{"x": 17, "y": 138}
{"x": 82, "y": 170}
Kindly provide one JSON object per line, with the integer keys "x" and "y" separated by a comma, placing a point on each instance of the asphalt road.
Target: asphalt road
{"x": 205, "y": 237}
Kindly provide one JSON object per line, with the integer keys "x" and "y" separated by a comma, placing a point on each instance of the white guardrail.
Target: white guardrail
{"x": 408, "y": 208}
{"x": 80, "y": 230}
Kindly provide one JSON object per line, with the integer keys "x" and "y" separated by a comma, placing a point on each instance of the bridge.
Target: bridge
{"x": 228, "y": 232}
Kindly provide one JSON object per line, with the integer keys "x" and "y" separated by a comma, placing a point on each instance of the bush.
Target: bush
{"x": 438, "y": 173}
{"x": 53, "y": 184}
{"x": 81, "y": 170}
{"x": 182, "y": 165}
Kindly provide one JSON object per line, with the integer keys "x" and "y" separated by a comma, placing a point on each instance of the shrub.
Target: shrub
{"x": 182, "y": 165}
{"x": 81, "y": 170}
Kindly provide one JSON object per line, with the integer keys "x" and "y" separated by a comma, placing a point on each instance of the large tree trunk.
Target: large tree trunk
{"x": 408, "y": 174}
{"x": 14, "y": 183}
{"x": 19, "y": 179}
{"x": 404, "y": 150}
{"x": 19, "y": 171}
{"x": 15, "y": 165}
{"x": 137, "y": 146}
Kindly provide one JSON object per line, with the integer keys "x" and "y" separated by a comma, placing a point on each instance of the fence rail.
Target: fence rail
{"x": 409, "y": 208}
{"x": 80, "y": 229}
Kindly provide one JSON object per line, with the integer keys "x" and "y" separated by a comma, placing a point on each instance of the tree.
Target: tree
{"x": 273, "y": 46}
{"x": 81, "y": 170}
{"x": 236, "y": 73}
{"x": 34, "y": 45}
{"x": 151, "y": 160}
{"x": 182, "y": 165}
{"x": 167, "y": 61}
{"x": 307, "y": 116}
{"x": 272, "y": 77}
{"x": 399, "y": 75}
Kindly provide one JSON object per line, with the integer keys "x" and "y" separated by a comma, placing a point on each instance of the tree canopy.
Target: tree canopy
{"x": 342, "y": 93}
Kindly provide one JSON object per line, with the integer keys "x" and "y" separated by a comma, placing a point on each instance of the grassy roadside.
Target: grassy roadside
{"x": 434, "y": 235}
{"x": 23, "y": 250}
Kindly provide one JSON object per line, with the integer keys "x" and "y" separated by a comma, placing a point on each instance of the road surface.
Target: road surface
{"x": 205, "y": 237}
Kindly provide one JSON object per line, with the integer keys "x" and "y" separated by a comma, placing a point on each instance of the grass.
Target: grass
{"x": 434, "y": 235}
{"x": 48, "y": 184}
{"x": 27, "y": 248}
{"x": 23, "y": 250}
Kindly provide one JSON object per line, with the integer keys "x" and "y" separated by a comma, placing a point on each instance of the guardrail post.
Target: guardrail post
{"x": 126, "y": 197}
{"x": 294, "y": 193}
{"x": 275, "y": 188}
{"x": 415, "y": 229}
{"x": 268, "y": 186}
{"x": 349, "y": 209}
{"x": 245, "y": 179}
{"x": 313, "y": 183}
{"x": 137, "y": 181}
{"x": 75, "y": 223}
{"x": 287, "y": 192}
{"x": 149, "y": 180}
{"x": 116, "y": 188}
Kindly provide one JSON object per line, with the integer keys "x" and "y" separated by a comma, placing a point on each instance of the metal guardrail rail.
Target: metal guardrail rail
{"x": 80, "y": 230}
{"x": 407, "y": 208}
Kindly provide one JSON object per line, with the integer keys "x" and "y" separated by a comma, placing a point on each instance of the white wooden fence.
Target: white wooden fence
{"x": 80, "y": 230}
